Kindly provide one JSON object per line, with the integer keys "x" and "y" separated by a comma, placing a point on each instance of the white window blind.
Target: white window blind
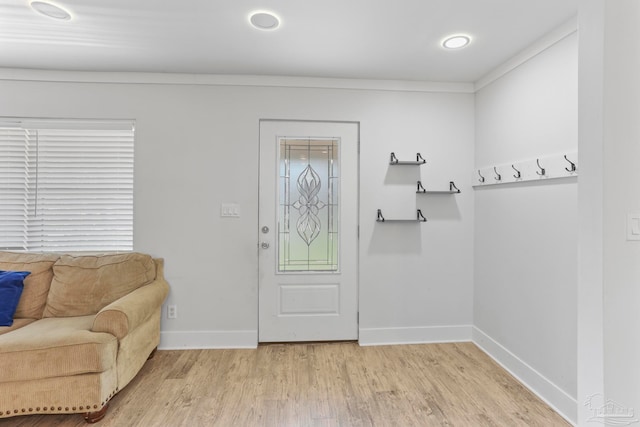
{"x": 66, "y": 186}
{"x": 14, "y": 185}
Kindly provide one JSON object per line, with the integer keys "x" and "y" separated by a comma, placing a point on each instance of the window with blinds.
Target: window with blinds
{"x": 66, "y": 185}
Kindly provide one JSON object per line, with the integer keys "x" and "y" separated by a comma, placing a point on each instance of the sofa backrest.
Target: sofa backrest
{"x": 36, "y": 285}
{"x": 83, "y": 285}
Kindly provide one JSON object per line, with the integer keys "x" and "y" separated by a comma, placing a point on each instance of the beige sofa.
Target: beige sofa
{"x": 83, "y": 328}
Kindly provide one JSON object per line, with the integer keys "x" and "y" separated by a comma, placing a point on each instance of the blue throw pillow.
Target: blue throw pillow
{"x": 11, "y": 285}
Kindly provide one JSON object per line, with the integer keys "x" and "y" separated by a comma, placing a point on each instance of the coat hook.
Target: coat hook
{"x": 542, "y": 170}
{"x": 573, "y": 165}
{"x": 519, "y": 174}
{"x": 481, "y": 177}
{"x": 498, "y": 176}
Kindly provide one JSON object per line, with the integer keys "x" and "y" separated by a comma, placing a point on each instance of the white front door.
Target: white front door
{"x": 308, "y": 279}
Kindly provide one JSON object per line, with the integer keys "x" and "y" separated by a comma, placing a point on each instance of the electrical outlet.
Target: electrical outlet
{"x": 172, "y": 311}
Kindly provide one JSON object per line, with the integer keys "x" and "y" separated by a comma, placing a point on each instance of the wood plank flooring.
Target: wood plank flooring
{"x": 327, "y": 384}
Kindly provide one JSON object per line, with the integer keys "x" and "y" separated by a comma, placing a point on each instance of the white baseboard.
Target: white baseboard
{"x": 182, "y": 340}
{"x": 554, "y": 396}
{"x": 414, "y": 335}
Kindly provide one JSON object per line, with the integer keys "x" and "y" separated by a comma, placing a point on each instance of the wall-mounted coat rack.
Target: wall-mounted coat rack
{"x": 539, "y": 169}
{"x": 395, "y": 162}
{"x": 419, "y": 218}
{"x": 452, "y": 189}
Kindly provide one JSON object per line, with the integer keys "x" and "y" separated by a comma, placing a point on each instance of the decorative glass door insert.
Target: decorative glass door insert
{"x": 308, "y": 205}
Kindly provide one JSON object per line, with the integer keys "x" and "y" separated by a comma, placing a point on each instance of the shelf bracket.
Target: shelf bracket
{"x": 393, "y": 160}
{"x": 419, "y": 218}
{"x": 452, "y": 189}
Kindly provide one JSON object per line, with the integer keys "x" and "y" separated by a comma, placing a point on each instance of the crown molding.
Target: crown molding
{"x": 562, "y": 32}
{"x": 59, "y": 76}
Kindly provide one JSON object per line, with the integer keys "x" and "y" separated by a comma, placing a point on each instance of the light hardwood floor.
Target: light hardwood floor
{"x": 330, "y": 384}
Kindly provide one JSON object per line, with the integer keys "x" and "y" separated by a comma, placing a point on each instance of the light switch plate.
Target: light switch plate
{"x": 230, "y": 210}
{"x": 633, "y": 226}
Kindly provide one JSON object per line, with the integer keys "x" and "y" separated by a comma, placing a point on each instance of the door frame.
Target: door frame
{"x": 357, "y": 256}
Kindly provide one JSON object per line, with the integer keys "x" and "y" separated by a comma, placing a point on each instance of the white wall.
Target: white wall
{"x": 526, "y": 256}
{"x": 197, "y": 147}
{"x": 621, "y": 196}
{"x": 416, "y": 279}
{"x": 611, "y": 60}
{"x": 591, "y": 208}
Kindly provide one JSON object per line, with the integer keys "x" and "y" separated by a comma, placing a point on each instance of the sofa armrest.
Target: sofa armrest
{"x": 130, "y": 311}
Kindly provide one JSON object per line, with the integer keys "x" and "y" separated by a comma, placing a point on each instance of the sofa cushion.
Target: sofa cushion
{"x": 11, "y": 285}
{"x": 17, "y": 324}
{"x": 55, "y": 347}
{"x": 36, "y": 285}
{"x": 83, "y": 285}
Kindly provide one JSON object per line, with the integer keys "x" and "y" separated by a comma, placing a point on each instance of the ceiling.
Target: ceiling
{"x": 364, "y": 39}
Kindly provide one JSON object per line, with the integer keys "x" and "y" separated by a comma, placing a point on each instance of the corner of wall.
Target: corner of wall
{"x": 545, "y": 389}
{"x": 542, "y": 44}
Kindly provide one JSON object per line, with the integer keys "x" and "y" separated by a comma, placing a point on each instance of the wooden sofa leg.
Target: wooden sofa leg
{"x": 153, "y": 353}
{"x": 94, "y": 417}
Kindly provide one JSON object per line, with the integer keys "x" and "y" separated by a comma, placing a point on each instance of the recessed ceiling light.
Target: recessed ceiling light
{"x": 456, "y": 42}
{"x": 50, "y": 10}
{"x": 264, "y": 20}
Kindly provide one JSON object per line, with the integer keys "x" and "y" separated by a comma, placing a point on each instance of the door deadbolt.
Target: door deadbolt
{"x": 265, "y": 229}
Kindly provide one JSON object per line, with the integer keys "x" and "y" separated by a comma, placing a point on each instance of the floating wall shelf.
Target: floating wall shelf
{"x": 418, "y": 162}
{"x": 393, "y": 161}
{"x": 419, "y": 218}
{"x": 452, "y": 189}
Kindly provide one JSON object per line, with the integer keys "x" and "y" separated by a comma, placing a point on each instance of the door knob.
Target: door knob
{"x": 264, "y": 245}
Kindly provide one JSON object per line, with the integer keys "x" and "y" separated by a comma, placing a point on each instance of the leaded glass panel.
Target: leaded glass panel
{"x": 308, "y": 204}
